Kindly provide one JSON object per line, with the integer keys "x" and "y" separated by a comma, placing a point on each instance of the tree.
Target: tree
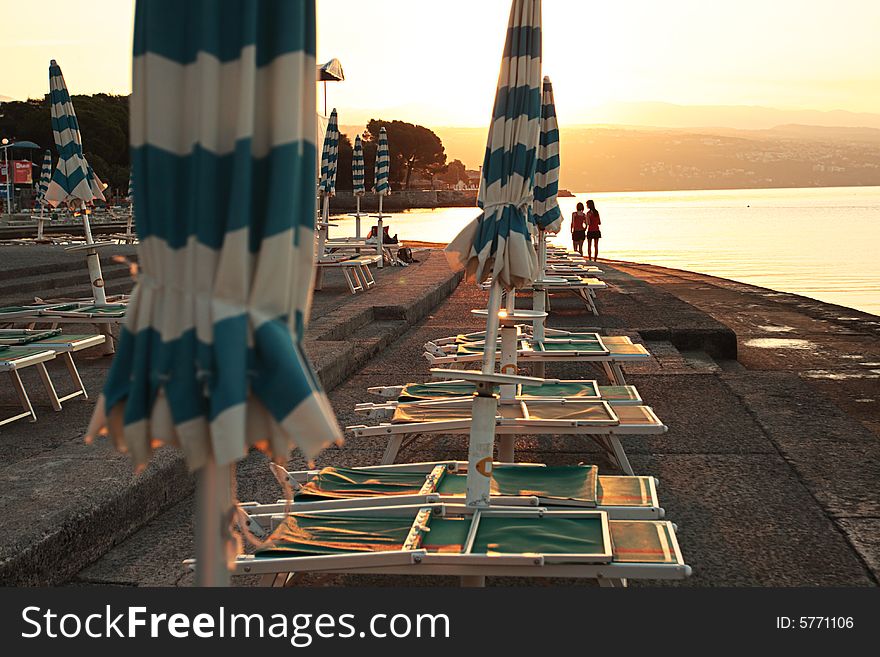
{"x": 455, "y": 171}
{"x": 103, "y": 121}
{"x": 411, "y": 147}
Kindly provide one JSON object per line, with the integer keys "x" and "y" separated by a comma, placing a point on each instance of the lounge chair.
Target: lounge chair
{"x": 54, "y": 314}
{"x": 580, "y": 285}
{"x": 355, "y": 270}
{"x": 63, "y": 345}
{"x": 610, "y": 354}
{"x": 596, "y": 419}
{"x": 521, "y": 484}
{"x": 449, "y": 539}
{"x": 15, "y": 359}
{"x": 463, "y": 391}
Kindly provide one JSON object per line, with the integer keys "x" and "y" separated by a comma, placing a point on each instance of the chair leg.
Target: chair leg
{"x": 609, "y": 372}
{"x": 319, "y": 279}
{"x": 79, "y": 388}
{"x": 394, "y": 443}
{"x": 367, "y": 276}
{"x": 23, "y": 398}
{"x": 612, "y": 583}
{"x": 618, "y": 374}
{"x": 620, "y": 455}
{"x": 49, "y": 386}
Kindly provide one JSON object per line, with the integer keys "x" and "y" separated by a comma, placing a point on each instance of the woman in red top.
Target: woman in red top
{"x": 593, "y": 232}
{"x": 578, "y": 228}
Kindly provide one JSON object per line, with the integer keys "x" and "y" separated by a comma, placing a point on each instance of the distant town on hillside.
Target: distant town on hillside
{"x": 622, "y": 158}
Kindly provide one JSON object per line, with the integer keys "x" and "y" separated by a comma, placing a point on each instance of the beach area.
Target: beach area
{"x": 770, "y": 399}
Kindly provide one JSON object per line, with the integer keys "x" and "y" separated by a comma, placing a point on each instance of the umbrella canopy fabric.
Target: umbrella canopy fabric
{"x": 331, "y": 71}
{"x": 95, "y": 184}
{"x": 329, "y": 157}
{"x": 70, "y": 181}
{"x": 24, "y": 145}
{"x": 130, "y": 195}
{"x": 498, "y": 242}
{"x": 224, "y": 158}
{"x": 358, "y": 168}
{"x": 547, "y": 213}
{"x": 45, "y": 177}
{"x": 383, "y": 165}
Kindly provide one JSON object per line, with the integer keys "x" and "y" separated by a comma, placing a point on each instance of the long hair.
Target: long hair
{"x": 592, "y": 206}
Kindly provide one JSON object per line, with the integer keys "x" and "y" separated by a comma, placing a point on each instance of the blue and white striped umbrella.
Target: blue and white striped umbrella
{"x": 223, "y": 153}
{"x": 357, "y": 167}
{"x": 498, "y": 243}
{"x": 70, "y": 181}
{"x": 329, "y": 157}
{"x": 130, "y": 195}
{"x": 547, "y": 213}
{"x": 383, "y": 165}
{"x": 45, "y": 177}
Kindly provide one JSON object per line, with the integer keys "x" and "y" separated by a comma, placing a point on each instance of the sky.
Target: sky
{"x": 436, "y": 63}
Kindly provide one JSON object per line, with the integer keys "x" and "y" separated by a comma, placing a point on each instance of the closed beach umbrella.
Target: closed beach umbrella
{"x": 327, "y": 182}
{"x": 357, "y": 178}
{"x": 498, "y": 243}
{"x": 383, "y": 166}
{"x": 329, "y": 157}
{"x": 45, "y": 177}
{"x": 73, "y": 182}
{"x": 548, "y": 217}
{"x": 130, "y": 198}
{"x": 382, "y": 186}
{"x": 70, "y": 181}
{"x": 211, "y": 358}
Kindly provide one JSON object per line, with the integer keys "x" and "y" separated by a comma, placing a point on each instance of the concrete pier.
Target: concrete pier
{"x": 769, "y": 467}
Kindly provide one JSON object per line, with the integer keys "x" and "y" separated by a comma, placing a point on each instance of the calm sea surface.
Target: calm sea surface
{"x": 822, "y": 243}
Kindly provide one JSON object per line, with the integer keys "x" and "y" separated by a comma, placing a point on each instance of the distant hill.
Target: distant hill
{"x": 745, "y": 117}
{"x": 637, "y": 158}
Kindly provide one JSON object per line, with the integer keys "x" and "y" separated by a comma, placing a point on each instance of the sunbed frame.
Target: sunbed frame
{"x": 413, "y": 559}
{"x": 258, "y": 514}
{"x": 605, "y": 432}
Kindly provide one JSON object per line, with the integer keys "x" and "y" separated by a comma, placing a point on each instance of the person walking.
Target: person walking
{"x": 593, "y": 232}
{"x": 578, "y": 228}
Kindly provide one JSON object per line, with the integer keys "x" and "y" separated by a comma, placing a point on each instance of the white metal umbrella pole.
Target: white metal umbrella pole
{"x": 40, "y": 223}
{"x": 94, "y": 264}
{"x": 357, "y": 218}
{"x": 325, "y": 220}
{"x": 213, "y": 505}
{"x": 380, "y": 247}
{"x": 482, "y": 443}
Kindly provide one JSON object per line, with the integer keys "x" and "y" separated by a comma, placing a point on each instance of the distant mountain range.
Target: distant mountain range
{"x": 639, "y": 158}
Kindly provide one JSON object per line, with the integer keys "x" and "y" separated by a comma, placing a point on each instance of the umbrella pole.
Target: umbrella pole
{"x": 213, "y": 502}
{"x": 94, "y": 264}
{"x": 380, "y": 247}
{"x": 322, "y": 233}
{"x": 482, "y": 441}
{"x": 130, "y": 216}
{"x": 357, "y": 218}
{"x": 40, "y": 223}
